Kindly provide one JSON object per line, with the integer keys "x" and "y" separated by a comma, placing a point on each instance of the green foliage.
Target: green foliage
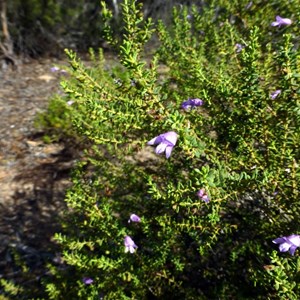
{"x": 56, "y": 121}
{"x": 9, "y": 288}
{"x": 284, "y": 275}
{"x": 241, "y": 146}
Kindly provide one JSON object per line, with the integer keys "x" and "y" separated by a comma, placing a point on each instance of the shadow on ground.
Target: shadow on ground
{"x": 27, "y": 224}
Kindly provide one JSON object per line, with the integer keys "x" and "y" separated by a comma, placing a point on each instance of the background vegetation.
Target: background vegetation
{"x": 43, "y": 27}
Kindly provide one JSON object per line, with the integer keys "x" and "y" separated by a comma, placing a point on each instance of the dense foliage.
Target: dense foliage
{"x": 209, "y": 212}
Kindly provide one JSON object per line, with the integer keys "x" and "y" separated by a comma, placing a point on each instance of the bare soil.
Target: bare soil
{"x": 33, "y": 175}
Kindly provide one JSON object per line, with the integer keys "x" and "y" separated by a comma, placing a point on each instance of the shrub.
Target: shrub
{"x": 226, "y": 113}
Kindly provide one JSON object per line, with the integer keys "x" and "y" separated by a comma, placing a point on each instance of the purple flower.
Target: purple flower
{"x": 238, "y": 47}
{"x": 70, "y": 102}
{"x": 203, "y": 195}
{"x": 54, "y": 69}
{"x": 134, "y": 218}
{"x": 165, "y": 142}
{"x": 275, "y": 94}
{"x": 87, "y": 280}
{"x": 191, "y": 103}
{"x": 129, "y": 244}
{"x": 288, "y": 243}
{"x": 249, "y": 5}
{"x": 281, "y": 21}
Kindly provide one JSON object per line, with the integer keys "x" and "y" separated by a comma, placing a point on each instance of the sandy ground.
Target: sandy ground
{"x": 33, "y": 175}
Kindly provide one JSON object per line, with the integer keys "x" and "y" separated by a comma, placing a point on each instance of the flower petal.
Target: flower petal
{"x": 294, "y": 239}
{"x": 293, "y": 249}
{"x": 285, "y": 21}
{"x": 205, "y": 198}
{"x": 275, "y": 94}
{"x": 284, "y": 247}
{"x": 201, "y": 193}
{"x": 87, "y": 280}
{"x": 279, "y": 240}
{"x": 197, "y": 102}
{"x": 161, "y": 148}
{"x": 274, "y": 24}
{"x": 185, "y": 105}
{"x": 134, "y": 218}
{"x": 153, "y": 141}
{"x": 171, "y": 137}
{"x": 169, "y": 151}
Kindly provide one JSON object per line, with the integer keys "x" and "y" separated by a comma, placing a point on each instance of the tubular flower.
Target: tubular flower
{"x": 70, "y": 102}
{"x": 54, "y": 69}
{"x": 288, "y": 243}
{"x": 57, "y": 69}
{"x": 165, "y": 143}
{"x": 129, "y": 244}
{"x": 203, "y": 196}
{"x": 281, "y": 21}
{"x": 275, "y": 94}
{"x": 134, "y": 218}
{"x": 87, "y": 280}
{"x": 238, "y": 47}
{"x": 191, "y": 103}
